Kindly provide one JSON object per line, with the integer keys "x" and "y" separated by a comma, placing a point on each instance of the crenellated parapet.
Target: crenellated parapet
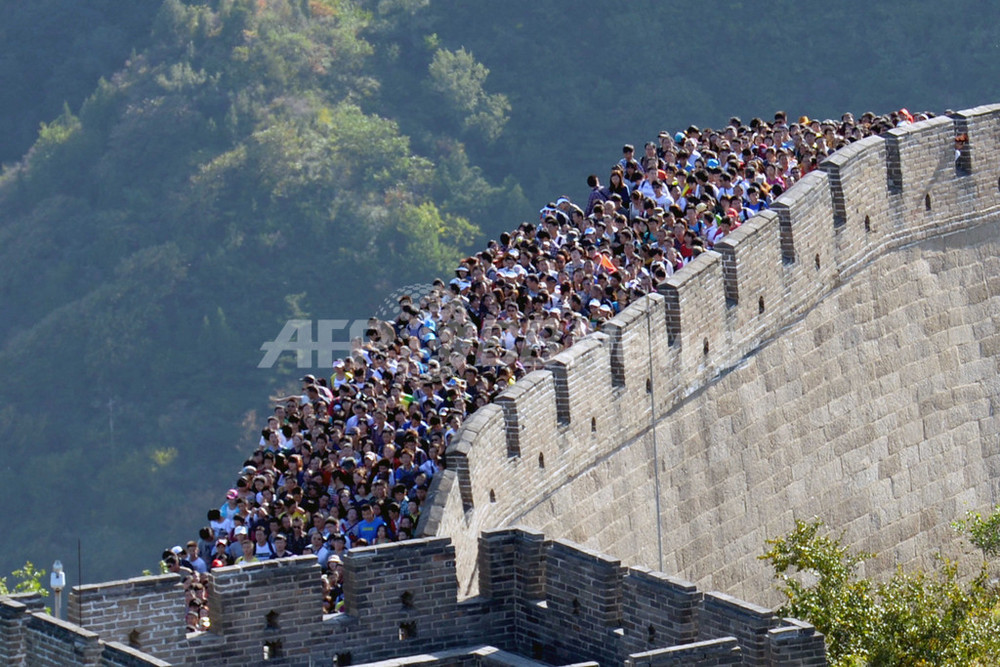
{"x": 541, "y": 602}
{"x": 617, "y": 389}
{"x": 773, "y": 378}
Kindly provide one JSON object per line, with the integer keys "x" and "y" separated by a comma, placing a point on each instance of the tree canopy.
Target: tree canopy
{"x": 231, "y": 175}
{"x": 935, "y": 617}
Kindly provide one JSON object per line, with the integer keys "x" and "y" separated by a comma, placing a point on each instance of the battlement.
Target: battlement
{"x": 542, "y": 602}
{"x": 773, "y": 378}
{"x": 617, "y": 389}
{"x": 28, "y": 635}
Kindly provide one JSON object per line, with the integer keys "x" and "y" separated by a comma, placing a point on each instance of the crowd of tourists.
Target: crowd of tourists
{"x": 347, "y": 461}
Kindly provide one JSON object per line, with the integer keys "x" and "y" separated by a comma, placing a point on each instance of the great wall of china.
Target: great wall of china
{"x": 834, "y": 357}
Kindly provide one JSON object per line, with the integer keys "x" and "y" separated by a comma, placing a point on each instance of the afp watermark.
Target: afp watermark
{"x": 297, "y": 336}
{"x": 316, "y": 343}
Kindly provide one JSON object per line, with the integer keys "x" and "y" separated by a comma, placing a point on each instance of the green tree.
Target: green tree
{"x": 28, "y": 580}
{"x": 818, "y": 577}
{"x": 913, "y": 618}
{"x": 459, "y": 78}
{"x": 232, "y": 174}
{"x": 984, "y": 533}
{"x": 54, "y": 53}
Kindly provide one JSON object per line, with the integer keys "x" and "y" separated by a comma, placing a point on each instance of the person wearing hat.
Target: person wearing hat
{"x": 334, "y": 565}
{"x": 235, "y": 546}
{"x": 340, "y": 375}
{"x": 229, "y": 508}
{"x": 604, "y": 312}
{"x": 220, "y": 554}
{"x": 192, "y": 620}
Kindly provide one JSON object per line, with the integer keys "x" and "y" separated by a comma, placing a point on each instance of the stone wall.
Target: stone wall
{"x": 571, "y": 603}
{"x": 30, "y": 637}
{"x": 834, "y": 357}
{"x": 542, "y": 600}
{"x": 141, "y": 612}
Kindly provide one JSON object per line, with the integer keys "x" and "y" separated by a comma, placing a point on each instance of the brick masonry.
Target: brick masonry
{"x": 834, "y": 357}
{"x": 140, "y": 613}
{"x": 542, "y": 602}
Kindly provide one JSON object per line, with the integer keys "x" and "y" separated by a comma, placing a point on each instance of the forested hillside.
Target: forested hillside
{"x": 184, "y": 177}
{"x": 54, "y": 52}
{"x": 228, "y": 177}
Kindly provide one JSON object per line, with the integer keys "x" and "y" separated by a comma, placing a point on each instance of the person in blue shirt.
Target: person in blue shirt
{"x": 367, "y": 528}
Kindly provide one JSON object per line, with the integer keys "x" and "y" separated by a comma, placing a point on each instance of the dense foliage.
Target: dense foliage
{"x": 182, "y": 177}
{"x": 26, "y": 579}
{"x": 54, "y": 52}
{"x": 913, "y": 618}
{"x": 225, "y": 179}
{"x": 982, "y": 532}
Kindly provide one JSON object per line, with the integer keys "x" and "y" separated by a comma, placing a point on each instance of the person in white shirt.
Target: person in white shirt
{"x": 660, "y": 196}
{"x": 721, "y": 231}
{"x": 197, "y": 562}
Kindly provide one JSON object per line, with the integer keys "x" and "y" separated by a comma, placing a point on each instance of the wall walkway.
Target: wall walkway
{"x": 836, "y": 357}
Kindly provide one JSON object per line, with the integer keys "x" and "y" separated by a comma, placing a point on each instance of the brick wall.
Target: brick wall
{"x": 658, "y": 610}
{"x": 723, "y": 615}
{"x": 49, "y": 641}
{"x": 819, "y": 363}
{"x": 795, "y": 644}
{"x": 587, "y": 605}
{"x": 144, "y": 612}
{"x": 540, "y": 599}
{"x": 13, "y": 618}
{"x": 404, "y": 589}
{"x": 583, "y": 592}
{"x": 710, "y": 653}
{"x": 119, "y": 655}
